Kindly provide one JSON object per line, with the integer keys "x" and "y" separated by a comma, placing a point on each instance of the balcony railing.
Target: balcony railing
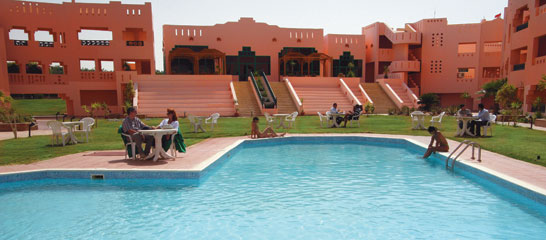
{"x": 540, "y": 60}
{"x": 518, "y": 67}
{"x": 96, "y": 75}
{"x": 36, "y": 79}
{"x": 522, "y": 26}
{"x": 46, "y": 44}
{"x": 541, "y": 10}
{"x": 135, "y": 43}
{"x": 20, "y": 42}
{"x": 95, "y": 42}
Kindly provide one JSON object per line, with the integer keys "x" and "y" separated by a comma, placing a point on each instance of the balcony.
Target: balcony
{"x": 386, "y": 55}
{"x": 522, "y": 26}
{"x": 96, "y": 75}
{"x": 405, "y": 66}
{"x": 36, "y": 79}
{"x": 135, "y": 43}
{"x": 46, "y": 44}
{"x": 541, "y": 10}
{"x": 20, "y": 42}
{"x": 518, "y": 67}
{"x": 540, "y": 60}
{"x": 403, "y": 37}
{"x": 95, "y": 42}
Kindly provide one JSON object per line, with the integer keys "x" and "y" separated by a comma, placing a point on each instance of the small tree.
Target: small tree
{"x": 429, "y": 100}
{"x": 350, "y": 72}
{"x": 369, "y": 108}
{"x": 507, "y": 95}
{"x": 465, "y": 96}
{"x": 128, "y": 95}
{"x": 386, "y": 71}
{"x": 490, "y": 89}
{"x": 7, "y": 112}
{"x": 541, "y": 86}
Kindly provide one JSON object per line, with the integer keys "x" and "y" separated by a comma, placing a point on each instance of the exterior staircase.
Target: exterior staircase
{"x": 185, "y": 96}
{"x": 381, "y": 100}
{"x": 285, "y": 104}
{"x": 248, "y": 105}
{"x": 319, "y": 95}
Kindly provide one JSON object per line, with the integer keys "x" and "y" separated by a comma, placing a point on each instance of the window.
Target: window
{"x": 34, "y": 68}
{"x": 45, "y": 38}
{"x": 95, "y": 37}
{"x": 87, "y": 65}
{"x": 466, "y": 73}
{"x": 491, "y": 47}
{"x": 521, "y": 19}
{"x": 491, "y": 72}
{"x": 541, "y": 45}
{"x": 19, "y": 37}
{"x": 129, "y": 66}
{"x": 518, "y": 57}
{"x": 106, "y": 66}
{"x": 13, "y": 67}
{"x": 56, "y": 68}
{"x": 136, "y": 36}
{"x": 466, "y": 48}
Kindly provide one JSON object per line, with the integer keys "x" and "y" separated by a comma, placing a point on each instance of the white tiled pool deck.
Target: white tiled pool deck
{"x": 202, "y": 154}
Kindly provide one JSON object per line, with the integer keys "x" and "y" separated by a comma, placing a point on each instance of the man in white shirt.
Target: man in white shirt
{"x": 482, "y": 119}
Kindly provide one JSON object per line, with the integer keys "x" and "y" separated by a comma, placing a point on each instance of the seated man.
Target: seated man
{"x": 131, "y": 124}
{"x": 441, "y": 142}
{"x": 482, "y": 119}
{"x": 334, "y": 110}
{"x": 353, "y": 115}
{"x": 267, "y": 133}
{"x": 463, "y": 112}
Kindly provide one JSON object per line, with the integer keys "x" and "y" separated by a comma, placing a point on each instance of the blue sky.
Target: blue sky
{"x": 347, "y": 16}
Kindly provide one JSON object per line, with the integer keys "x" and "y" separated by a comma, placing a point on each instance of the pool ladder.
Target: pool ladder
{"x": 467, "y": 144}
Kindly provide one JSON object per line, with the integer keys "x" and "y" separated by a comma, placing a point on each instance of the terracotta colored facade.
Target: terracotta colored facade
{"x": 524, "y": 48}
{"x": 428, "y": 56}
{"x": 131, "y": 44}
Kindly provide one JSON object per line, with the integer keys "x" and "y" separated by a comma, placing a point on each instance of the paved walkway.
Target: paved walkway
{"x": 201, "y": 154}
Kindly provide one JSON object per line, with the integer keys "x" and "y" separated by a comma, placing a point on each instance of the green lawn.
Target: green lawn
{"x": 520, "y": 143}
{"x": 40, "y": 107}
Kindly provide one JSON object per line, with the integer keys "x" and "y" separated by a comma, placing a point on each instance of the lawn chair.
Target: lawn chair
{"x": 436, "y": 121}
{"x": 291, "y": 119}
{"x": 129, "y": 144}
{"x": 269, "y": 120}
{"x": 355, "y": 118}
{"x": 58, "y": 134}
{"x": 212, "y": 120}
{"x": 175, "y": 144}
{"x": 489, "y": 125}
{"x": 196, "y": 123}
{"x": 87, "y": 124}
{"x": 324, "y": 119}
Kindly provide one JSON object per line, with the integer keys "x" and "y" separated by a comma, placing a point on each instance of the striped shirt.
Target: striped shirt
{"x": 132, "y": 124}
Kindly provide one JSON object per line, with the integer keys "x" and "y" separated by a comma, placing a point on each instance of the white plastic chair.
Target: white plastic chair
{"x": 489, "y": 125}
{"x": 195, "y": 123}
{"x": 129, "y": 143}
{"x": 87, "y": 124}
{"x": 212, "y": 120}
{"x": 58, "y": 134}
{"x": 437, "y": 120}
{"x": 269, "y": 119}
{"x": 355, "y": 118}
{"x": 415, "y": 120}
{"x": 291, "y": 119}
{"x": 324, "y": 119}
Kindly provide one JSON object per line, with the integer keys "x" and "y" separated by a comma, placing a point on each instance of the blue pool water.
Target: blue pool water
{"x": 318, "y": 190}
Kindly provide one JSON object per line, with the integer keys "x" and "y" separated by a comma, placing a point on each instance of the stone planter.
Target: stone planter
{"x": 540, "y": 122}
{"x": 5, "y": 127}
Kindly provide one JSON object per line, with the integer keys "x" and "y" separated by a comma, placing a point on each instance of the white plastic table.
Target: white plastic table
{"x": 199, "y": 121}
{"x": 158, "y": 149}
{"x": 418, "y": 119}
{"x": 70, "y": 127}
{"x": 464, "y": 130}
{"x": 281, "y": 117}
{"x": 334, "y": 118}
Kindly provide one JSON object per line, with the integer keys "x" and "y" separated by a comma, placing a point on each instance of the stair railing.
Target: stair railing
{"x": 257, "y": 90}
{"x": 272, "y": 94}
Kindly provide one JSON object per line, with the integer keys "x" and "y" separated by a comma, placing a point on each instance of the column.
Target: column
{"x": 195, "y": 65}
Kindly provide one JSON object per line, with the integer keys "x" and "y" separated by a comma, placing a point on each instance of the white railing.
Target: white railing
{"x": 365, "y": 94}
{"x": 233, "y": 94}
{"x": 348, "y": 92}
{"x": 294, "y": 95}
{"x": 394, "y": 93}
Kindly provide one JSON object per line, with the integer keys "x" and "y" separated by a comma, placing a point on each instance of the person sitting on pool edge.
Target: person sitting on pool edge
{"x": 441, "y": 142}
{"x": 267, "y": 133}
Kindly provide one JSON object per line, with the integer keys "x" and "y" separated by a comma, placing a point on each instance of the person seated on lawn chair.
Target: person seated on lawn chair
{"x": 353, "y": 115}
{"x": 463, "y": 112}
{"x": 334, "y": 110}
{"x": 267, "y": 133}
{"x": 481, "y": 120}
{"x": 171, "y": 122}
{"x": 131, "y": 124}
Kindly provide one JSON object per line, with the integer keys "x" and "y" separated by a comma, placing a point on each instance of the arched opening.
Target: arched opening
{"x": 56, "y": 68}
{"x": 34, "y": 68}
{"x": 19, "y": 36}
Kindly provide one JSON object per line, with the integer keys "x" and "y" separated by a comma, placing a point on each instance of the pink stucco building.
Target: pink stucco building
{"x": 207, "y": 67}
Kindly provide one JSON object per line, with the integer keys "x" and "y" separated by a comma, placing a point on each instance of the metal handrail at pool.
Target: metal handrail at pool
{"x": 468, "y": 144}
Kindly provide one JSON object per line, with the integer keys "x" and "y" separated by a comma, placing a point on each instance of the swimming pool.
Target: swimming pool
{"x": 292, "y": 188}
